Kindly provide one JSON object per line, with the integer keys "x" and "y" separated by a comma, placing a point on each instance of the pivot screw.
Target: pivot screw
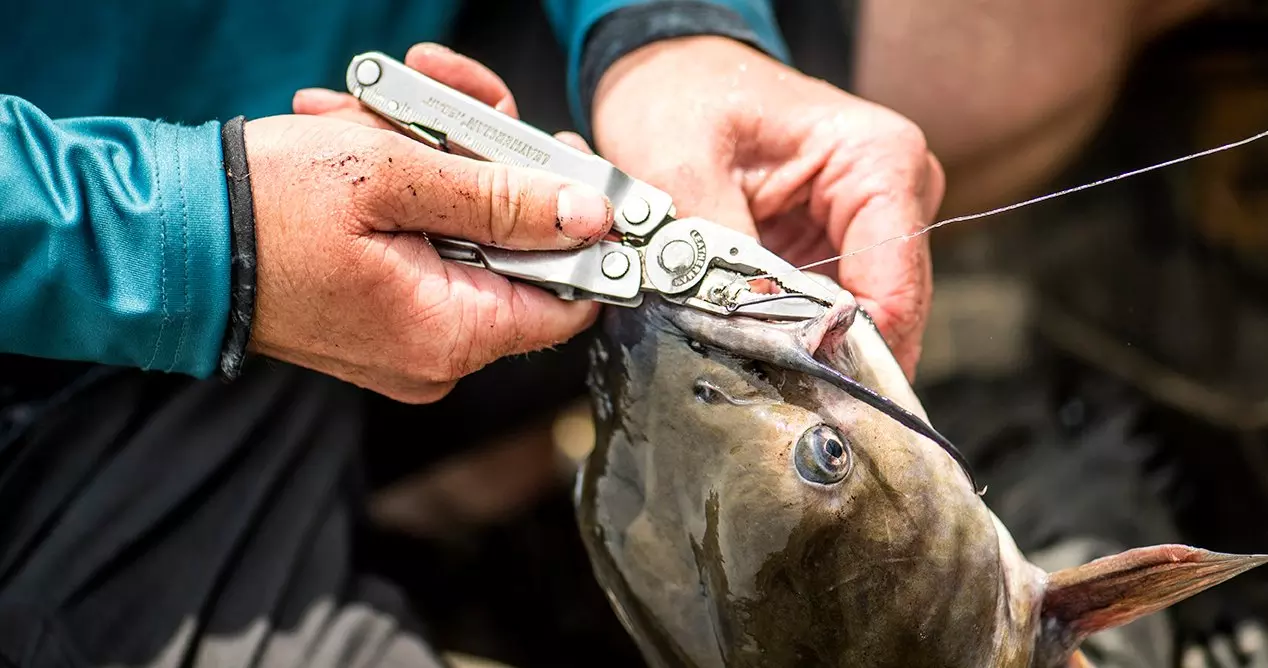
{"x": 615, "y": 265}
{"x": 677, "y": 256}
{"x": 368, "y": 73}
{"x": 636, "y": 211}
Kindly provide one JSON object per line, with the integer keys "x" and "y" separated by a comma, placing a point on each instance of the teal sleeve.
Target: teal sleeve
{"x": 114, "y": 240}
{"x": 573, "y": 19}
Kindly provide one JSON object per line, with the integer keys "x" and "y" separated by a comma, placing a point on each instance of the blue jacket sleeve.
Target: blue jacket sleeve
{"x": 114, "y": 240}
{"x": 572, "y": 21}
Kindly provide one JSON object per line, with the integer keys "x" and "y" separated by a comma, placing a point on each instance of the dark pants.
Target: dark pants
{"x": 154, "y": 521}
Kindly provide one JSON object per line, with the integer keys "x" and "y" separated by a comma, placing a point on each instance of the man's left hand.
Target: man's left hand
{"x": 737, "y": 137}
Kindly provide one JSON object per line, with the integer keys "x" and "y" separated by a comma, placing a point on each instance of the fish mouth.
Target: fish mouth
{"x": 763, "y": 341}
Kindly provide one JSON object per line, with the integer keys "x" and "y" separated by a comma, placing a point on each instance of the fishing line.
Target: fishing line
{"x": 1012, "y": 207}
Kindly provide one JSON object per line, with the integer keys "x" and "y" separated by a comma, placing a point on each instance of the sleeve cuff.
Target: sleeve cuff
{"x": 195, "y": 247}
{"x": 242, "y": 249}
{"x": 618, "y": 28}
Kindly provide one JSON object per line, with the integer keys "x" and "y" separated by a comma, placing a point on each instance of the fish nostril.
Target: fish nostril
{"x": 757, "y": 370}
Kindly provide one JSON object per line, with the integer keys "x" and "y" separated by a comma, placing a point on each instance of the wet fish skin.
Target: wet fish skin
{"x": 716, "y": 551}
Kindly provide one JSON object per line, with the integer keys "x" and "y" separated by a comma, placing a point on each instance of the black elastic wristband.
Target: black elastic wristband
{"x": 242, "y": 248}
{"x": 630, "y": 28}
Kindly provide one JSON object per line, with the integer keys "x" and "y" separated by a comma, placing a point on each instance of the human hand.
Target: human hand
{"x": 737, "y": 137}
{"x": 348, "y": 286}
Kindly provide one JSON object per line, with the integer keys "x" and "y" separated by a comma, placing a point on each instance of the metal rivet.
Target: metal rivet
{"x": 676, "y": 256}
{"x": 368, "y": 73}
{"x": 615, "y": 265}
{"x": 636, "y": 211}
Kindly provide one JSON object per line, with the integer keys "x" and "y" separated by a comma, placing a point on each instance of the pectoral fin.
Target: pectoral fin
{"x": 1115, "y": 590}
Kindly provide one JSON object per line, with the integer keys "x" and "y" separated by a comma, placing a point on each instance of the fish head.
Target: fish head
{"x": 764, "y": 516}
{"x": 744, "y": 507}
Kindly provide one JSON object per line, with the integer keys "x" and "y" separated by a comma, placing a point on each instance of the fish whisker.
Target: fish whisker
{"x": 886, "y": 406}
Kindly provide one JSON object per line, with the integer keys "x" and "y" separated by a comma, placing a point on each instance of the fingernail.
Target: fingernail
{"x": 582, "y": 212}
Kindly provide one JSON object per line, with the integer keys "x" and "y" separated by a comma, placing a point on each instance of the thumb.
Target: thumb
{"x": 490, "y": 203}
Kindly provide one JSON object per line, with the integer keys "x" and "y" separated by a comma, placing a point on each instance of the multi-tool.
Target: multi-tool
{"x": 690, "y": 261}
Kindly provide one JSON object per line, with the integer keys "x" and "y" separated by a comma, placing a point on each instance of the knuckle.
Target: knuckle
{"x": 911, "y": 137}
{"x": 901, "y": 164}
{"x": 898, "y": 130}
{"x": 502, "y": 203}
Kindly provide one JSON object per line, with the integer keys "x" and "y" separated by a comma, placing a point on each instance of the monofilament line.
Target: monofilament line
{"x": 1036, "y": 200}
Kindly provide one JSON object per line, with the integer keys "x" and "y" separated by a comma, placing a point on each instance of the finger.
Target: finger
{"x": 361, "y": 117}
{"x": 935, "y": 188}
{"x": 876, "y": 197}
{"x": 484, "y": 202}
{"x": 464, "y": 74}
{"x": 314, "y": 101}
{"x": 894, "y": 285}
{"x": 330, "y": 104}
{"x": 574, "y": 140}
{"x": 893, "y": 281}
{"x": 511, "y": 318}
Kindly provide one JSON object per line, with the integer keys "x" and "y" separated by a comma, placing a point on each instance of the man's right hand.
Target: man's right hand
{"x": 347, "y": 285}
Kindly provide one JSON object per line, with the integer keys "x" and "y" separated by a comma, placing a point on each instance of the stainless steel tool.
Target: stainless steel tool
{"x": 690, "y": 261}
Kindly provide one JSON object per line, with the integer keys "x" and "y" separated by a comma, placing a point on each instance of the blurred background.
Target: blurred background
{"x": 1112, "y": 341}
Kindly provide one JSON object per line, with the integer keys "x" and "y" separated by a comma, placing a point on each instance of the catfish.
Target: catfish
{"x": 771, "y": 494}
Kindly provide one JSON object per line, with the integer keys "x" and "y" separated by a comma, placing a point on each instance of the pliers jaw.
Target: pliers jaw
{"x": 700, "y": 263}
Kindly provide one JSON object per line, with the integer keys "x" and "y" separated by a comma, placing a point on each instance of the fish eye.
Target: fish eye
{"x": 822, "y": 456}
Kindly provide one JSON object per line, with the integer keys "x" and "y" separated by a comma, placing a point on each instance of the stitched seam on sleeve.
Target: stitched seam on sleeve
{"x": 185, "y": 312}
{"x": 158, "y": 189}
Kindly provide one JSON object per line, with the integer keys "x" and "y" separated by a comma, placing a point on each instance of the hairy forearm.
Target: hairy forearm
{"x": 1005, "y": 90}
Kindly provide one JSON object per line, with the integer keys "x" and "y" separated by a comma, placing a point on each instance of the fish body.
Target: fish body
{"x": 741, "y": 508}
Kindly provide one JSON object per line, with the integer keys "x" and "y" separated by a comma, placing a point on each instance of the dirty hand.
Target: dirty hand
{"x": 348, "y": 286}
{"x": 737, "y": 137}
